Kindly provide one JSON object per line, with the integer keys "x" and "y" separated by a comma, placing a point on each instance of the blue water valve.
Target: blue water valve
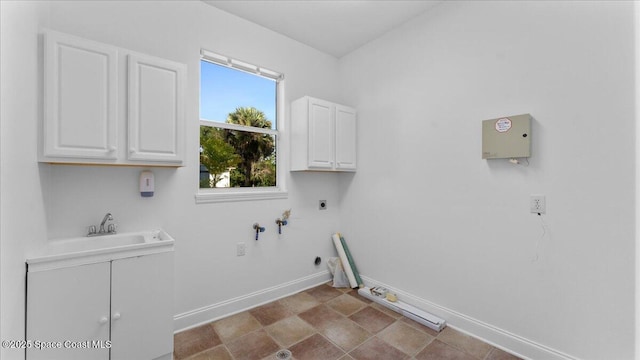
{"x": 258, "y": 229}
{"x": 281, "y": 223}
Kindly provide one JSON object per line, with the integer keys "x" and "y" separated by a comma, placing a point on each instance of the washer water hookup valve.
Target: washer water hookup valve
{"x": 283, "y": 221}
{"x": 258, "y": 229}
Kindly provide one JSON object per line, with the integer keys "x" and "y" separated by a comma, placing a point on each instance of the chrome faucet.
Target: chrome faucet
{"x": 111, "y": 228}
{"x": 104, "y": 220}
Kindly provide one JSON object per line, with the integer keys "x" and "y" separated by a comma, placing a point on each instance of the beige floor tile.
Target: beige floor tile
{"x": 289, "y": 331}
{"x": 464, "y": 342}
{"x": 236, "y": 325}
{"x": 346, "y": 304}
{"x": 193, "y": 341}
{"x": 346, "y": 334}
{"x": 419, "y": 326}
{"x": 252, "y": 346}
{"x": 497, "y": 354}
{"x": 404, "y": 337}
{"x": 324, "y": 293}
{"x": 354, "y": 293}
{"x": 320, "y": 316}
{"x": 386, "y": 310}
{"x": 376, "y": 349}
{"x": 316, "y": 347}
{"x": 270, "y": 313}
{"x": 217, "y": 353}
{"x": 372, "y": 320}
{"x": 299, "y": 302}
{"x": 437, "y": 350}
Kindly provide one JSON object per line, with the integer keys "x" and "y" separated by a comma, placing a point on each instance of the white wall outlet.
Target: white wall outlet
{"x": 241, "y": 249}
{"x": 537, "y": 204}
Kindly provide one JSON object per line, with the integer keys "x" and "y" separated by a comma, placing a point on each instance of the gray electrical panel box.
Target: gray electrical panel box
{"x": 506, "y": 137}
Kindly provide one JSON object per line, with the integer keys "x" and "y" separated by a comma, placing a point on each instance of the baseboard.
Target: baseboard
{"x": 238, "y": 304}
{"x": 509, "y": 342}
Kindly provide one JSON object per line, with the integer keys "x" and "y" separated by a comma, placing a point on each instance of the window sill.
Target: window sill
{"x": 242, "y": 195}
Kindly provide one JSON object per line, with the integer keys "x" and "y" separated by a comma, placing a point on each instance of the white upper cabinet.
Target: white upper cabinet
{"x": 80, "y": 110}
{"x": 156, "y": 109}
{"x": 345, "y": 138}
{"x": 323, "y": 136}
{"x": 321, "y": 130}
{"x": 108, "y": 105}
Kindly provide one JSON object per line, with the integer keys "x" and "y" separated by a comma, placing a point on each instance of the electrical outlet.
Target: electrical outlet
{"x": 240, "y": 249}
{"x": 538, "y": 204}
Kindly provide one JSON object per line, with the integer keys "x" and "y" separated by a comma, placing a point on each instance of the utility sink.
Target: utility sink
{"x": 103, "y": 248}
{"x": 94, "y": 243}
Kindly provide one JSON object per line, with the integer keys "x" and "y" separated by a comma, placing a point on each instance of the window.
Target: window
{"x": 239, "y": 114}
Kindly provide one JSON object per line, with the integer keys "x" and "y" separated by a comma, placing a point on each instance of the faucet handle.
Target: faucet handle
{"x": 92, "y": 230}
{"x": 111, "y": 229}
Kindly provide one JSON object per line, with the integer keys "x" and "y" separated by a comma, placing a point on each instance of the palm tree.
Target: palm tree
{"x": 253, "y": 148}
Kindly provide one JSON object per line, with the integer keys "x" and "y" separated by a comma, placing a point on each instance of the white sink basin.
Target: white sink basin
{"x": 94, "y": 243}
{"x": 105, "y": 247}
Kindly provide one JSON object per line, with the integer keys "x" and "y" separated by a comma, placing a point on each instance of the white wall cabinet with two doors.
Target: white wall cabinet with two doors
{"x": 108, "y": 105}
{"x": 323, "y": 136}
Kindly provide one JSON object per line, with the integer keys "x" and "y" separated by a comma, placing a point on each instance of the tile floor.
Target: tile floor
{"x": 324, "y": 323}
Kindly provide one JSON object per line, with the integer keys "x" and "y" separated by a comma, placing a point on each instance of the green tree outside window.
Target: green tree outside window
{"x": 247, "y": 157}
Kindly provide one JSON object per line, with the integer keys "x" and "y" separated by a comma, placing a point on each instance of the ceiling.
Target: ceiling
{"x": 335, "y": 27}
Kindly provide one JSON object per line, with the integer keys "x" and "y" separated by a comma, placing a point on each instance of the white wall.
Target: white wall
{"x": 637, "y": 167}
{"x": 426, "y": 215}
{"x": 44, "y": 202}
{"x": 21, "y": 188}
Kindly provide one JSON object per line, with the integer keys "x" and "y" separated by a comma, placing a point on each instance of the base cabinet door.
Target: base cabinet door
{"x": 70, "y": 307}
{"x": 142, "y": 307}
{"x": 120, "y": 309}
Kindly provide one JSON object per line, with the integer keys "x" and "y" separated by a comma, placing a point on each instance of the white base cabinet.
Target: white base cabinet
{"x": 142, "y": 307}
{"x": 69, "y": 304}
{"x": 120, "y": 309}
{"x": 323, "y": 136}
{"x": 108, "y": 105}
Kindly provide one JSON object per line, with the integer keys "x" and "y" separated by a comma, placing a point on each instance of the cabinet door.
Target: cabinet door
{"x": 321, "y": 129}
{"x": 69, "y": 304}
{"x": 345, "y": 138}
{"x": 142, "y": 307}
{"x": 80, "y": 111}
{"x": 156, "y": 110}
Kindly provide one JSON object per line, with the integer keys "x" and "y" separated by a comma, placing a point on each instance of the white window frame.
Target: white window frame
{"x": 215, "y": 195}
